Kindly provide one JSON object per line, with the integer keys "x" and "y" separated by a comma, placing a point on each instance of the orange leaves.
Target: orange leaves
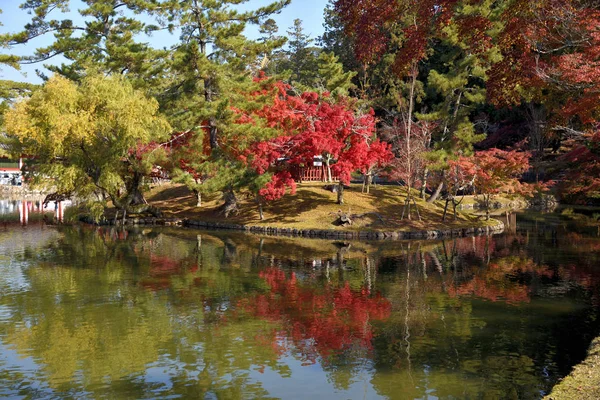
{"x": 499, "y": 170}
{"x": 367, "y": 20}
{"x": 584, "y": 176}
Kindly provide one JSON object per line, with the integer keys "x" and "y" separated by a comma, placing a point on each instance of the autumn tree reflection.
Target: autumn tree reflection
{"x": 318, "y": 321}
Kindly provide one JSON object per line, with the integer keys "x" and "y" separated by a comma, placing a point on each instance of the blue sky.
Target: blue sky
{"x": 13, "y": 19}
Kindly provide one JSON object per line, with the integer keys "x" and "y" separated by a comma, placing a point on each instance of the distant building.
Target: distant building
{"x": 10, "y": 171}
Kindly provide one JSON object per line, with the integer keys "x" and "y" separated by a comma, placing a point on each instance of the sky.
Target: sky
{"x": 13, "y": 19}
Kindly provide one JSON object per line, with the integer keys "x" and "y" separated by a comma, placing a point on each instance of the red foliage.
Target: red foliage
{"x": 318, "y": 322}
{"x": 162, "y": 269}
{"x": 498, "y": 171}
{"x": 554, "y": 45}
{"x": 584, "y": 177}
{"x": 275, "y": 189}
{"x": 495, "y": 284}
{"x": 315, "y": 125}
{"x": 461, "y": 173}
{"x": 367, "y": 21}
{"x": 373, "y": 23}
{"x": 491, "y": 290}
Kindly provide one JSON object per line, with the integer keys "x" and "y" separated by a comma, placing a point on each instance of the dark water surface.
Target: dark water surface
{"x": 89, "y": 312}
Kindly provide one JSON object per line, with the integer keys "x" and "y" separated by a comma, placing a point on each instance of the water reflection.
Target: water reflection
{"x": 105, "y": 312}
{"x": 23, "y": 210}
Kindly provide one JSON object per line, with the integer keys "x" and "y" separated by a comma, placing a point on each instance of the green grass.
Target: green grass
{"x": 313, "y": 207}
{"x": 504, "y": 201}
{"x": 583, "y": 382}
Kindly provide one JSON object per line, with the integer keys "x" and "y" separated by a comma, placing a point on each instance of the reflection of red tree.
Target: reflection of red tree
{"x": 583, "y": 243}
{"x": 318, "y": 322}
{"x": 491, "y": 290}
{"x": 478, "y": 246}
{"x": 583, "y": 272}
{"x": 495, "y": 283}
{"x": 162, "y": 268}
{"x": 111, "y": 234}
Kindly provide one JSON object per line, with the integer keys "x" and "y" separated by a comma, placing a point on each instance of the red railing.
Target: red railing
{"x": 312, "y": 174}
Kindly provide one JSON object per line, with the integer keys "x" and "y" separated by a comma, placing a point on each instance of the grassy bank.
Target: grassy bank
{"x": 583, "y": 382}
{"x": 315, "y": 207}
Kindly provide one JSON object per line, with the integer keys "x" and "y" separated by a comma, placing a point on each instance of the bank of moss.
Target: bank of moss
{"x": 583, "y": 382}
{"x": 313, "y": 207}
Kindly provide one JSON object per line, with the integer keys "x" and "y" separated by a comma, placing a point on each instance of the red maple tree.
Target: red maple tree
{"x": 498, "y": 171}
{"x": 315, "y": 125}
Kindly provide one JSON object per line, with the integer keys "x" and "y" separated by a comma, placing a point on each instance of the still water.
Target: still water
{"x": 89, "y": 312}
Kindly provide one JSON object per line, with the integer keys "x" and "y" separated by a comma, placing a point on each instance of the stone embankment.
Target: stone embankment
{"x": 20, "y": 192}
{"x": 545, "y": 203}
{"x": 497, "y": 227}
{"x": 497, "y": 205}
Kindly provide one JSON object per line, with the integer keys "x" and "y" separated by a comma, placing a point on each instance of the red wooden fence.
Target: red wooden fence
{"x": 312, "y": 174}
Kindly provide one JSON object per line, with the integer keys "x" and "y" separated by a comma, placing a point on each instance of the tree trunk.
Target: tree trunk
{"x": 445, "y": 210}
{"x": 436, "y": 194}
{"x": 144, "y": 208}
{"x": 134, "y": 194}
{"x": 328, "y": 167}
{"x": 126, "y": 204}
{"x": 230, "y": 206}
{"x": 198, "y": 197}
{"x": 260, "y": 208}
{"x": 212, "y": 123}
{"x": 424, "y": 183}
{"x": 416, "y": 207}
{"x": 212, "y": 130}
{"x": 340, "y": 193}
{"x": 406, "y": 208}
{"x": 454, "y": 204}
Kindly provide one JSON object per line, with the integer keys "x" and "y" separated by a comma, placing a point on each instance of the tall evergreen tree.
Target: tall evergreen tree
{"x": 457, "y": 73}
{"x": 209, "y": 78}
{"x": 331, "y": 75}
{"x": 10, "y": 90}
{"x": 336, "y": 40}
{"x": 310, "y": 68}
{"x": 107, "y": 37}
{"x": 300, "y": 57}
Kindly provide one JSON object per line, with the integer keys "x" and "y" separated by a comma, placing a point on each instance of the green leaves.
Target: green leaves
{"x": 85, "y": 136}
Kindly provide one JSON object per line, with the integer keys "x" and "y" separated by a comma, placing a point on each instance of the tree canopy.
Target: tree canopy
{"x": 84, "y": 136}
{"x": 434, "y": 82}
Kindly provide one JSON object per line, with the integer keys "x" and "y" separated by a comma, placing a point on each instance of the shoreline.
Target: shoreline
{"x": 584, "y": 380}
{"x": 496, "y": 227}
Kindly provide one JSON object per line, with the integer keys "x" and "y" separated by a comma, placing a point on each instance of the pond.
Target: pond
{"x": 96, "y": 312}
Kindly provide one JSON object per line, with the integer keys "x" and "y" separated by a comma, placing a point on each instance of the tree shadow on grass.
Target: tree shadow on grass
{"x": 170, "y": 193}
{"x": 287, "y": 210}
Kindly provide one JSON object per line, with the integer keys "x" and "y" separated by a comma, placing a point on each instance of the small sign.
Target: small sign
{"x": 317, "y": 163}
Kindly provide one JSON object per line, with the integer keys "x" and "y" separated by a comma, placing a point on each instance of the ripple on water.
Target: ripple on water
{"x": 98, "y": 313}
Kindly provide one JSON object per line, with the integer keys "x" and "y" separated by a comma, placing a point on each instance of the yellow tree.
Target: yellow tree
{"x": 94, "y": 140}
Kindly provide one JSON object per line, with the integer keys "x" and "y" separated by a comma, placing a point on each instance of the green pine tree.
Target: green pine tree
{"x": 210, "y": 75}
{"x": 107, "y": 38}
{"x": 332, "y": 77}
{"x": 456, "y": 85}
{"x": 300, "y": 58}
